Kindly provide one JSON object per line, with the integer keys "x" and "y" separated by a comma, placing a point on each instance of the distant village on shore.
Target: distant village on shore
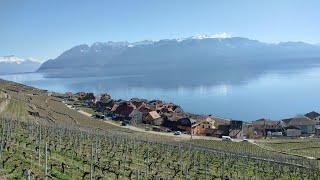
{"x": 169, "y": 117}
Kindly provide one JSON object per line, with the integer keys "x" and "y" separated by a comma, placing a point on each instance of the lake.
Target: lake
{"x": 273, "y": 95}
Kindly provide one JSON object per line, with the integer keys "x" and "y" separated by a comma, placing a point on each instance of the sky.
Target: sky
{"x": 43, "y": 29}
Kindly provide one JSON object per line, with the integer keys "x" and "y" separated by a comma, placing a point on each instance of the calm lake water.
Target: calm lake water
{"x": 271, "y": 95}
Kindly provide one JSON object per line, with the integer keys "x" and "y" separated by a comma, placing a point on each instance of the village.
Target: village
{"x": 160, "y": 116}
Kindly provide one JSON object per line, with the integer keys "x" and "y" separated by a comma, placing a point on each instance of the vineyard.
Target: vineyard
{"x": 62, "y": 144}
{"x": 303, "y": 147}
{"x": 36, "y": 151}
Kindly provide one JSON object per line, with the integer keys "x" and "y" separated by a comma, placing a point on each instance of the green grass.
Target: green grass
{"x": 87, "y": 110}
{"x": 16, "y": 109}
{"x": 306, "y": 147}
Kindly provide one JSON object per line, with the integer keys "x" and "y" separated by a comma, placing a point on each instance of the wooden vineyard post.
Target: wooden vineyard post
{"x": 2, "y": 141}
{"x": 39, "y": 155}
{"x": 206, "y": 168}
{"x": 222, "y": 168}
{"x": 46, "y": 165}
{"x": 91, "y": 164}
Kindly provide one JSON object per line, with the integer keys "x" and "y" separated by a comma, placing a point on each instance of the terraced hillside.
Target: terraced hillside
{"x": 42, "y": 138}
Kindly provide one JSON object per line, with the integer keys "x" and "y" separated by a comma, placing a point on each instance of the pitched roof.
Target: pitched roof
{"x": 266, "y": 122}
{"x": 154, "y": 115}
{"x": 300, "y": 121}
{"x": 312, "y": 115}
{"x": 136, "y": 104}
{"x": 185, "y": 121}
{"x": 114, "y": 108}
{"x": 144, "y": 108}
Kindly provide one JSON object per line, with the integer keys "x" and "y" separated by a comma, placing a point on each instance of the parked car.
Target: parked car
{"x": 245, "y": 140}
{"x": 123, "y": 123}
{"x": 99, "y": 116}
{"x": 177, "y": 133}
{"x": 226, "y": 138}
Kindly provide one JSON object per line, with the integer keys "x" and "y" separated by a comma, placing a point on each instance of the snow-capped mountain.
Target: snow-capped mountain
{"x": 11, "y": 59}
{"x": 13, "y": 64}
{"x": 206, "y": 54}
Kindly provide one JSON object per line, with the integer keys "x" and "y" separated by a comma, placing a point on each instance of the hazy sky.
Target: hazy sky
{"x": 44, "y": 29}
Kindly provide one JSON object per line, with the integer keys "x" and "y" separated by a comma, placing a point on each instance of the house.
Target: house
{"x": 187, "y": 124}
{"x": 156, "y": 103}
{"x": 306, "y": 125}
{"x": 314, "y": 116}
{"x": 105, "y": 98}
{"x": 135, "y": 117}
{"x": 80, "y": 95}
{"x": 261, "y": 127}
{"x": 292, "y": 131}
{"x": 122, "y": 110}
{"x": 88, "y": 98}
{"x": 236, "y": 130}
{"x": 105, "y": 105}
{"x": 144, "y": 109}
{"x": 204, "y": 125}
{"x": 248, "y": 131}
{"x": 68, "y": 95}
{"x": 176, "y": 108}
{"x": 317, "y": 131}
{"x": 170, "y": 121}
{"x": 210, "y": 131}
{"x": 137, "y": 102}
{"x": 235, "y": 124}
{"x": 203, "y": 128}
{"x": 153, "y": 118}
{"x": 223, "y": 130}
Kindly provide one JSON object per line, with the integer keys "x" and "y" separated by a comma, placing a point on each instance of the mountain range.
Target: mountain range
{"x": 200, "y": 59}
{"x": 176, "y": 51}
{"x": 203, "y": 59}
{"x": 13, "y": 64}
